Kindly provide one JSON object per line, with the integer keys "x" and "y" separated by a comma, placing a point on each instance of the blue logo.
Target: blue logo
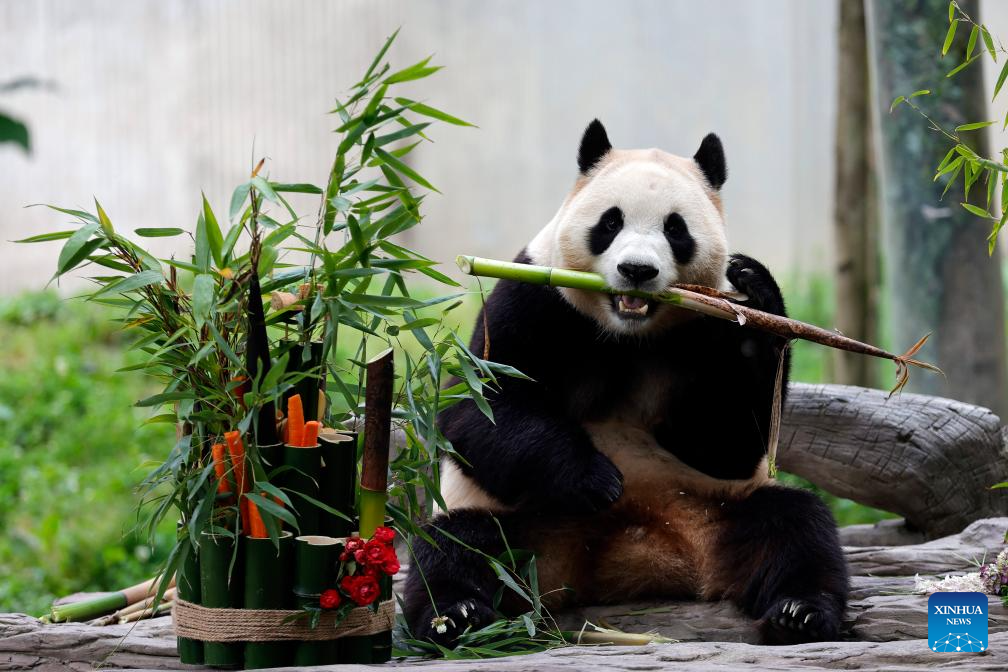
{"x": 957, "y": 622}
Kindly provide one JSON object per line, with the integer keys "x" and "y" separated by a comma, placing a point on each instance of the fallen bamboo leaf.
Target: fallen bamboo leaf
{"x": 704, "y": 300}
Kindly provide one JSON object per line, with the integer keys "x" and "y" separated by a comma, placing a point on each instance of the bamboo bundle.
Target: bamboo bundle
{"x": 704, "y": 300}
{"x": 93, "y": 607}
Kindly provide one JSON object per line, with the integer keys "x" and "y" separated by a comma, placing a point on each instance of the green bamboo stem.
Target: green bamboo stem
{"x": 314, "y": 572}
{"x": 338, "y": 482}
{"x": 702, "y": 300}
{"x": 268, "y": 585}
{"x": 221, "y": 586}
{"x": 190, "y": 650}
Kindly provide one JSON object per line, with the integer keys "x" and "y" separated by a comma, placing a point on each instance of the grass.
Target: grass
{"x": 73, "y": 447}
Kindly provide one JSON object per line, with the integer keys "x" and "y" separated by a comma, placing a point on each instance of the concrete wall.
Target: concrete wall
{"x": 156, "y": 101}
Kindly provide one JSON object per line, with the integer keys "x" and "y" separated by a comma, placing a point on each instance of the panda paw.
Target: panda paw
{"x": 445, "y": 627}
{"x": 588, "y": 485}
{"x": 753, "y": 279}
{"x": 796, "y": 620}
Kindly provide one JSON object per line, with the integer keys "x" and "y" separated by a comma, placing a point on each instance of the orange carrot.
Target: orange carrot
{"x": 295, "y": 421}
{"x": 220, "y": 469}
{"x": 311, "y": 430}
{"x": 237, "y": 452}
{"x": 257, "y": 529}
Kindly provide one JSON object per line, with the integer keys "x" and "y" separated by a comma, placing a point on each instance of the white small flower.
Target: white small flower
{"x": 440, "y": 624}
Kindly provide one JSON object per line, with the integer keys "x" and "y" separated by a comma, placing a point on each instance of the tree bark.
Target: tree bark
{"x": 855, "y": 209}
{"x": 940, "y": 277}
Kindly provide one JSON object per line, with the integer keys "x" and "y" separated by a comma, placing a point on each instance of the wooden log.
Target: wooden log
{"x": 928, "y": 459}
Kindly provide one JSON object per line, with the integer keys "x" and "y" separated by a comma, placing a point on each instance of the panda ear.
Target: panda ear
{"x": 710, "y": 158}
{"x": 594, "y": 145}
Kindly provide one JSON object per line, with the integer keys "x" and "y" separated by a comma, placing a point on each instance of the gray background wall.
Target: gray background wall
{"x": 156, "y": 101}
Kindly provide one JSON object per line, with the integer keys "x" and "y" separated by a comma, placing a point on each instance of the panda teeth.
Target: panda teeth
{"x": 640, "y": 310}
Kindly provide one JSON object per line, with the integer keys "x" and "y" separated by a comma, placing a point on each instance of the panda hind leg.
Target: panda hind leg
{"x": 782, "y": 564}
{"x": 449, "y": 587}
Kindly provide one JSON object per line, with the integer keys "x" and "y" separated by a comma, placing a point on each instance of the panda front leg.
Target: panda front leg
{"x": 780, "y": 561}
{"x": 449, "y": 587}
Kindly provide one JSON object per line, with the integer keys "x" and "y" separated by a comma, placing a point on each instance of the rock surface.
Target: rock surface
{"x": 886, "y": 628}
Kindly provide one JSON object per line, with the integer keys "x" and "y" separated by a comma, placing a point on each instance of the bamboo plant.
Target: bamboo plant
{"x": 211, "y": 338}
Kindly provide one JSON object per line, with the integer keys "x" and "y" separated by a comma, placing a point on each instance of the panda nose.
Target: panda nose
{"x": 637, "y": 273}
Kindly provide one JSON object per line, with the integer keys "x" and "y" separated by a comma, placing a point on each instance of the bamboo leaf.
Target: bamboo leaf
{"x": 1000, "y": 80}
{"x": 158, "y": 232}
{"x": 974, "y": 34}
{"x": 298, "y": 188}
{"x": 401, "y": 168}
{"x": 238, "y": 197}
{"x": 377, "y": 59}
{"x": 428, "y": 111}
{"x": 106, "y": 223}
{"x": 919, "y": 92}
{"x": 202, "y": 297}
{"x": 130, "y": 283}
{"x": 949, "y": 36}
{"x": 955, "y": 70}
{"x": 979, "y": 212}
{"x": 988, "y": 42}
{"x": 46, "y": 237}
{"x": 951, "y": 10}
{"x": 897, "y": 101}
{"x": 974, "y": 126}
{"x": 164, "y": 397}
{"x": 213, "y": 231}
{"x": 77, "y": 248}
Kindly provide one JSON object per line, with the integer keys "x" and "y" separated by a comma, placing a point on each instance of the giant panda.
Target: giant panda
{"x": 632, "y": 460}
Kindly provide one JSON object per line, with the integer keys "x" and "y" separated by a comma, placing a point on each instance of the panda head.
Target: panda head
{"x": 644, "y": 219}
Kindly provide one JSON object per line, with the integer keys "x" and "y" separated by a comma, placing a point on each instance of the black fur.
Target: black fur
{"x": 682, "y": 243}
{"x": 594, "y": 145}
{"x": 710, "y": 157}
{"x": 605, "y": 231}
{"x": 780, "y": 545}
{"x": 783, "y": 552}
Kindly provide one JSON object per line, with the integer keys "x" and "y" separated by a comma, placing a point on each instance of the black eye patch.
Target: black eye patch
{"x": 602, "y": 234}
{"x": 679, "y": 238}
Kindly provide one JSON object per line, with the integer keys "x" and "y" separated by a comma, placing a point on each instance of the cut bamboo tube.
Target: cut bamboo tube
{"x": 702, "y": 300}
{"x": 377, "y": 429}
{"x": 302, "y": 479}
{"x": 314, "y": 572}
{"x": 221, "y": 588}
{"x": 268, "y": 585}
{"x": 190, "y": 650}
{"x": 339, "y": 480}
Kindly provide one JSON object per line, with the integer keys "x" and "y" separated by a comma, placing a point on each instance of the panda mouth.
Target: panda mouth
{"x": 632, "y": 307}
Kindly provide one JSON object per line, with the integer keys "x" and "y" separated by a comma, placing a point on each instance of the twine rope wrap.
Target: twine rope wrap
{"x": 267, "y": 625}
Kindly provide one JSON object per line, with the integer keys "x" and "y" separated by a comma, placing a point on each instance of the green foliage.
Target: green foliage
{"x": 70, "y": 459}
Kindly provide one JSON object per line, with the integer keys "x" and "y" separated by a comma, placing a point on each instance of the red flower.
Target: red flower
{"x": 390, "y": 564}
{"x": 362, "y": 589}
{"x": 330, "y": 599}
{"x": 383, "y": 534}
{"x": 373, "y": 553}
{"x": 350, "y": 548}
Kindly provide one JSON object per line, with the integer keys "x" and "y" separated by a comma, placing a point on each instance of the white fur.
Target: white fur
{"x": 647, "y": 186}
